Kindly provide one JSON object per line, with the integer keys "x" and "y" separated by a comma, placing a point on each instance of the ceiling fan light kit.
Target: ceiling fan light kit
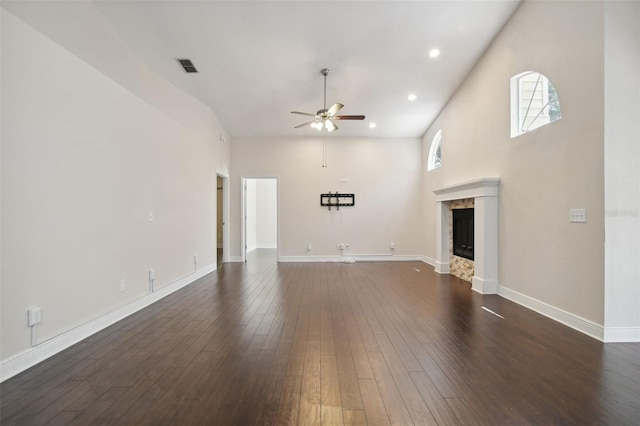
{"x": 324, "y": 118}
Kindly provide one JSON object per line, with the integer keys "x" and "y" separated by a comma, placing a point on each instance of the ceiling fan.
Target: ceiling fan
{"x": 324, "y": 118}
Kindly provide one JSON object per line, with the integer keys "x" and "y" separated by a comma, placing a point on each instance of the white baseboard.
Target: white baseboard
{"x": 577, "y": 323}
{"x": 385, "y": 258}
{"x": 622, "y": 334}
{"x": 428, "y": 260}
{"x": 310, "y": 258}
{"x": 235, "y": 259}
{"x": 355, "y": 257}
{"x": 32, "y": 356}
{"x": 442, "y": 267}
{"x": 267, "y": 246}
{"x": 484, "y": 286}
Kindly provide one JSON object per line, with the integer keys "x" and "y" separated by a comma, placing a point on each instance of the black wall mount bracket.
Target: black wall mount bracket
{"x": 337, "y": 200}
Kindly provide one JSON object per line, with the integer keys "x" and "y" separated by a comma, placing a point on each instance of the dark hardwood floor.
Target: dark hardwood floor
{"x": 263, "y": 343}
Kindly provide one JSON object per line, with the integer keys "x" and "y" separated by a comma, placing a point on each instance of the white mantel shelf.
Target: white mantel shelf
{"x": 485, "y": 193}
{"x": 485, "y": 187}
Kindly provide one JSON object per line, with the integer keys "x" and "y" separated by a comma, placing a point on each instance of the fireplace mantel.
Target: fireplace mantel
{"x": 485, "y": 194}
{"x": 485, "y": 187}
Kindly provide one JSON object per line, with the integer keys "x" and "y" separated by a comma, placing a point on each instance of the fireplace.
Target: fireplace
{"x": 484, "y": 245}
{"x": 463, "y": 233}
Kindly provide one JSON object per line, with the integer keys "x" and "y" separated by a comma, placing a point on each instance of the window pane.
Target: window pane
{"x": 434, "y": 159}
{"x": 534, "y": 102}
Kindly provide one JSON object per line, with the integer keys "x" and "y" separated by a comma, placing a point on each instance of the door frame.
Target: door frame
{"x": 243, "y": 213}
{"x": 225, "y": 216}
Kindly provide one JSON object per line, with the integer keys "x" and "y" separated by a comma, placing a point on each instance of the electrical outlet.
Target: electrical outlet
{"x": 309, "y": 247}
{"x": 123, "y": 285}
{"x": 346, "y": 246}
{"x": 34, "y": 316}
{"x": 392, "y": 246}
{"x": 150, "y": 217}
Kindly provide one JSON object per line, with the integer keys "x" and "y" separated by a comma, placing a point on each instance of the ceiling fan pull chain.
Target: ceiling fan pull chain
{"x": 324, "y": 153}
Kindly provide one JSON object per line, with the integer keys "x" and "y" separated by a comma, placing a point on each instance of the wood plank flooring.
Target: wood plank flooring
{"x": 264, "y": 343}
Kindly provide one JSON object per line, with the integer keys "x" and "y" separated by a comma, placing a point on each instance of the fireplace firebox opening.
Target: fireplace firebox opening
{"x": 463, "y": 233}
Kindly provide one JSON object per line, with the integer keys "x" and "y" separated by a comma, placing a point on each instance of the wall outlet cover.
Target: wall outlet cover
{"x": 34, "y": 316}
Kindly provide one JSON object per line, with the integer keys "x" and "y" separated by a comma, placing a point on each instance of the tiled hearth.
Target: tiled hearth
{"x": 484, "y": 193}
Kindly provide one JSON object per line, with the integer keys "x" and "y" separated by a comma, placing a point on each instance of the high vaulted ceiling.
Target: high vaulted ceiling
{"x": 260, "y": 60}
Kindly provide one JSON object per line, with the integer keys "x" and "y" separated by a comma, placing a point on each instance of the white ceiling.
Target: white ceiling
{"x": 259, "y": 60}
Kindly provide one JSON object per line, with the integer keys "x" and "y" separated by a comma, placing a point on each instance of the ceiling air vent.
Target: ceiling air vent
{"x": 187, "y": 65}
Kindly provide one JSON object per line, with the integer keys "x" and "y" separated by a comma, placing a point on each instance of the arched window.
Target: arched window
{"x": 435, "y": 157}
{"x": 534, "y": 102}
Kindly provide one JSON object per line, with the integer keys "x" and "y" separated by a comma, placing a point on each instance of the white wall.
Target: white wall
{"x": 544, "y": 260}
{"x": 267, "y": 213}
{"x": 90, "y": 146}
{"x": 261, "y": 211}
{"x": 384, "y": 175}
{"x": 622, "y": 171}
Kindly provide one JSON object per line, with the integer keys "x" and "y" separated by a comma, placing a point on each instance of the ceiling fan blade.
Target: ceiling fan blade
{"x": 305, "y": 124}
{"x": 334, "y": 109}
{"x": 330, "y": 126}
{"x": 303, "y": 113}
{"x": 348, "y": 117}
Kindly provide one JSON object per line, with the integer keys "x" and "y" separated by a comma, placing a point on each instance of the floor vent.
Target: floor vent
{"x": 187, "y": 65}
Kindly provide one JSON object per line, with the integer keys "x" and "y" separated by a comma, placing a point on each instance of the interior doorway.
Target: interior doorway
{"x": 259, "y": 215}
{"x": 221, "y": 220}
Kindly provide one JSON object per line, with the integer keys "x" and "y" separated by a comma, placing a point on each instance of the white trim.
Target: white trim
{"x": 243, "y": 213}
{"x": 622, "y": 334}
{"x": 297, "y": 259}
{"x": 225, "y": 214}
{"x": 428, "y": 260}
{"x": 32, "y": 356}
{"x": 385, "y": 258}
{"x": 356, "y": 257}
{"x": 267, "y": 246}
{"x": 484, "y": 286}
{"x": 570, "y": 320}
{"x": 442, "y": 267}
{"x": 236, "y": 259}
{"x": 484, "y": 187}
{"x": 485, "y": 193}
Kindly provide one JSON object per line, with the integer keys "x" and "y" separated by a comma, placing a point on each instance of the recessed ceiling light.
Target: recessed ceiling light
{"x": 372, "y": 125}
{"x": 434, "y": 53}
{"x": 412, "y": 97}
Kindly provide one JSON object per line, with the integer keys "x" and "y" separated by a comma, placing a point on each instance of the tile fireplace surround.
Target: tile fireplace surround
{"x": 485, "y": 194}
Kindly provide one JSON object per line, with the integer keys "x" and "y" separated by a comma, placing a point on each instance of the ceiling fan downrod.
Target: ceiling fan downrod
{"x": 324, "y": 118}
{"x": 324, "y": 72}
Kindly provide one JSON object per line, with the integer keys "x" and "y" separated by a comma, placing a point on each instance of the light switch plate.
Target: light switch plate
{"x": 578, "y": 215}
